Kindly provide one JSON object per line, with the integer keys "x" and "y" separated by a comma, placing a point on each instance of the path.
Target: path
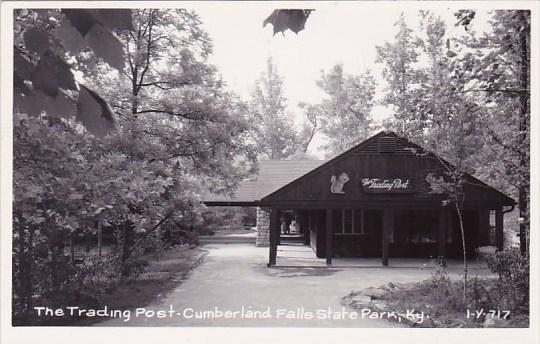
{"x": 235, "y": 276}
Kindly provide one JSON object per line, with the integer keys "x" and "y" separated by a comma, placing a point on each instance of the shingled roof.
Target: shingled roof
{"x": 273, "y": 174}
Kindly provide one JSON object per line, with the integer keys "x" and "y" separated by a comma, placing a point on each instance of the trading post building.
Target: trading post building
{"x": 373, "y": 200}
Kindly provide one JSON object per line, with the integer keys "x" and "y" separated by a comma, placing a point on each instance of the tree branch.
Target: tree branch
{"x": 178, "y": 114}
{"x": 148, "y": 50}
{"x": 159, "y": 84}
{"x": 138, "y": 242}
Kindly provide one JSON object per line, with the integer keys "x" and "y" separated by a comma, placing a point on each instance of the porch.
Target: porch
{"x": 297, "y": 255}
{"x": 418, "y": 237}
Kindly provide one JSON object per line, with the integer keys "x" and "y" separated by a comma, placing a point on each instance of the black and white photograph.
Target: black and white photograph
{"x": 265, "y": 172}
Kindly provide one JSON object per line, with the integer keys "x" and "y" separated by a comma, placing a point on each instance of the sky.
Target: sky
{"x": 346, "y": 33}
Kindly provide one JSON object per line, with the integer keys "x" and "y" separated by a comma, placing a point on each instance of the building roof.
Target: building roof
{"x": 277, "y": 180}
{"x": 273, "y": 174}
{"x": 380, "y": 144}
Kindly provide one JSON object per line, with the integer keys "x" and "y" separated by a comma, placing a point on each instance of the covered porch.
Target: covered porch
{"x": 299, "y": 256}
{"x": 340, "y": 235}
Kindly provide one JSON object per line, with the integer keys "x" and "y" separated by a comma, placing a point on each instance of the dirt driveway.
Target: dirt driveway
{"x": 234, "y": 279}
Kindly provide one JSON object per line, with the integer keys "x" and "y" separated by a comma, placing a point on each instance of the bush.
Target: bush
{"x": 510, "y": 292}
{"x": 445, "y": 292}
{"x": 513, "y": 284}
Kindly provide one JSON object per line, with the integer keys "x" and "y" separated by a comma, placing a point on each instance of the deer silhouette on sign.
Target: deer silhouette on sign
{"x": 337, "y": 183}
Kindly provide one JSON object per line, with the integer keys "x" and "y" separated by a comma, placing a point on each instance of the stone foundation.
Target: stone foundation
{"x": 263, "y": 228}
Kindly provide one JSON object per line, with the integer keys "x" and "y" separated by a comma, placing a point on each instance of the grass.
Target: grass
{"x": 159, "y": 277}
{"x": 164, "y": 272}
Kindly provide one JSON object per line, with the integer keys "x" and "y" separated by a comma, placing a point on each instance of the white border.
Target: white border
{"x": 55, "y": 335}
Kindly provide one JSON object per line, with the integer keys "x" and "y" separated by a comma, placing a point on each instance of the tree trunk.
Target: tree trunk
{"x": 523, "y": 202}
{"x": 126, "y": 248}
{"x": 24, "y": 276}
{"x": 465, "y": 265}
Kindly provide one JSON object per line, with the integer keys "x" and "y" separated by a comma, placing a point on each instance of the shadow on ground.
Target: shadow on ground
{"x": 298, "y": 271}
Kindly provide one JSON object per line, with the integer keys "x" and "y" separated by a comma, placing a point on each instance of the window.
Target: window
{"x": 349, "y": 222}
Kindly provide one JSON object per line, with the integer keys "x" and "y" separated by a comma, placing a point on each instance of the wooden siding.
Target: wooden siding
{"x": 365, "y": 161}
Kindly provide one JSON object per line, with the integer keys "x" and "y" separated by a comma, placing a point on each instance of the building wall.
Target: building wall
{"x": 370, "y": 245}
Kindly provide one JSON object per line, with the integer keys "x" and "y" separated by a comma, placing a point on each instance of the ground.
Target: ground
{"x": 233, "y": 276}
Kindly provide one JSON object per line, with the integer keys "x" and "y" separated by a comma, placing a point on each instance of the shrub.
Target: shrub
{"x": 513, "y": 284}
{"x": 444, "y": 291}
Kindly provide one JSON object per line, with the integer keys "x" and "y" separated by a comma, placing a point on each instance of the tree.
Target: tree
{"x": 173, "y": 109}
{"x": 276, "y": 137}
{"x": 495, "y": 68}
{"x": 345, "y": 114}
{"x": 311, "y": 125}
{"x": 168, "y": 93}
{"x": 399, "y": 59}
{"x": 177, "y": 132}
{"x": 469, "y": 100}
{"x": 46, "y": 209}
{"x": 456, "y": 139}
{"x": 506, "y": 93}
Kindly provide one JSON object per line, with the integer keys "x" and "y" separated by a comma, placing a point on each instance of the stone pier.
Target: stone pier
{"x": 263, "y": 228}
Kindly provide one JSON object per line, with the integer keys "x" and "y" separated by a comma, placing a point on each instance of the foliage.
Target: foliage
{"x": 506, "y": 93}
{"x": 43, "y": 78}
{"x": 514, "y": 271}
{"x": 345, "y": 114}
{"x": 226, "y": 218}
{"x": 310, "y": 127}
{"x": 170, "y": 97}
{"x": 288, "y": 19}
{"x": 448, "y": 93}
{"x": 177, "y": 132}
{"x": 466, "y": 97}
{"x": 441, "y": 298}
{"x": 275, "y": 137}
{"x": 399, "y": 59}
{"x": 65, "y": 182}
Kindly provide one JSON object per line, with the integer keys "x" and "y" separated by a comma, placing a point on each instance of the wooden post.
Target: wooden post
{"x": 499, "y": 229}
{"x": 304, "y": 227}
{"x": 388, "y": 227}
{"x": 443, "y": 229}
{"x": 329, "y": 237}
{"x": 278, "y": 232}
{"x": 274, "y": 232}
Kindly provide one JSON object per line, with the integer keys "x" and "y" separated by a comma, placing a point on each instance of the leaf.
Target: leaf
{"x": 115, "y": 18}
{"x": 43, "y": 14}
{"x": 70, "y": 37}
{"x": 293, "y": 20}
{"x": 81, "y": 19}
{"x": 36, "y": 41}
{"x": 52, "y": 73}
{"x": 19, "y": 85}
{"x": 34, "y": 104}
{"x": 23, "y": 67}
{"x": 94, "y": 112}
{"x": 22, "y": 71}
{"x": 106, "y": 45}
